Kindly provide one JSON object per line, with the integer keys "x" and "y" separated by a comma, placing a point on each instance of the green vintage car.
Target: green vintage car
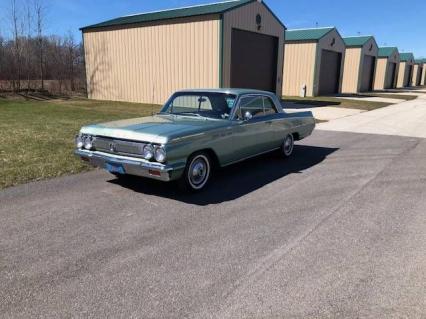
{"x": 196, "y": 131}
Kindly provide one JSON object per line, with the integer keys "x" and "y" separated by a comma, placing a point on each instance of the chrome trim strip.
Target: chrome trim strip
{"x": 123, "y": 159}
{"x": 132, "y": 166}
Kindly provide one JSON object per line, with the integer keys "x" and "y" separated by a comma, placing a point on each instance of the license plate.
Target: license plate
{"x": 115, "y": 168}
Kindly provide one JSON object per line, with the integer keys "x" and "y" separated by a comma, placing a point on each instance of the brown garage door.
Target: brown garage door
{"x": 419, "y": 76}
{"x": 390, "y": 76}
{"x": 329, "y": 72}
{"x": 254, "y": 61}
{"x": 368, "y": 67}
{"x": 408, "y": 75}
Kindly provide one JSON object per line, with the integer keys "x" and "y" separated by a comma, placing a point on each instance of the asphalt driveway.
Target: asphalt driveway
{"x": 337, "y": 231}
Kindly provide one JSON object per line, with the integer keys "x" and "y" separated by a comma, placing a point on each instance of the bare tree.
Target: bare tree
{"x": 39, "y": 10}
{"x": 71, "y": 58}
{"x": 28, "y": 45}
{"x": 30, "y": 60}
{"x": 17, "y": 28}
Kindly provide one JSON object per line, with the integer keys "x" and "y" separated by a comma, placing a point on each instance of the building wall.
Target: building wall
{"x": 351, "y": 70}
{"x": 417, "y": 72}
{"x": 332, "y": 42}
{"x": 148, "y": 62}
{"x": 352, "y": 73}
{"x": 299, "y": 66}
{"x": 244, "y": 18}
{"x": 423, "y": 81}
{"x": 370, "y": 48}
{"x": 403, "y": 73}
{"x": 382, "y": 70}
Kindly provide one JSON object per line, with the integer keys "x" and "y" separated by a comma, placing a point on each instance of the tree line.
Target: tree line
{"x": 31, "y": 60}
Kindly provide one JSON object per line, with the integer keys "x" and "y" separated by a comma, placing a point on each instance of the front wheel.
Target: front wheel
{"x": 288, "y": 146}
{"x": 197, "y": 173}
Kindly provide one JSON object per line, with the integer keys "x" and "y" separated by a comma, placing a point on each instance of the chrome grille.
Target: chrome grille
{"x": 118, "y": 146}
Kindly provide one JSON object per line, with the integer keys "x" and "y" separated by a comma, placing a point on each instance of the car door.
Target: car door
{"x": 275, "y": 122}
{"x": 251, "y": 136}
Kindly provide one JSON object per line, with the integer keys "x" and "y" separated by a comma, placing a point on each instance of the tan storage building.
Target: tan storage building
{"x": 360, "y": 64}
{"x": 405, "y": 70}
{"x": 386, "y": 68}
{"x": 146, "y": 57}
{"x": 416, "y": 79}
{"x": 313, "y": 62}
{"x": 423, "y": 80}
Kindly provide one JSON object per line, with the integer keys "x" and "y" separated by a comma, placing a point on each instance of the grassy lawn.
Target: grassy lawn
{"x": 394, "y": 96}
{"x": 37, "y": 137}
{"x": 324, "y": 101}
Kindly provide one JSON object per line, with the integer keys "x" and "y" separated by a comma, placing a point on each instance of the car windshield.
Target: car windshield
{"x": 201, "y": 104}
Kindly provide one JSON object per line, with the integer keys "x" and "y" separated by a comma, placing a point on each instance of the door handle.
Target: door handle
{"x": 268, "y": 122}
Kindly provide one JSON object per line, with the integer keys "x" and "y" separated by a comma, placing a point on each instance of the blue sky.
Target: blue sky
{"x": 393, "y": 23}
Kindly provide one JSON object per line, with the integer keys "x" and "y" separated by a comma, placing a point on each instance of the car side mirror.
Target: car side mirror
{"x": 247, "y": 116}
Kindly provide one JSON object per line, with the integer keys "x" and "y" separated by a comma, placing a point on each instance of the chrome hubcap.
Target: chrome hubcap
{"x": 198, "y": 172}
{"x": 288, "y": 145}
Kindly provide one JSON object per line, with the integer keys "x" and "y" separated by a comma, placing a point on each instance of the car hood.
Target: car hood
{"x": 154, "y": 129}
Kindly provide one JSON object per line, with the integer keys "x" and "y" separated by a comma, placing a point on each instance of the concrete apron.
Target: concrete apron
{"x": 327, "y": 113}
{"x": 402, "y": 119}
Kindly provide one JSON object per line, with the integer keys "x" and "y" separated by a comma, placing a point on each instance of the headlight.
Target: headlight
{"x": 148, "y": 152}
{"x": 79, "y": 141}
{"x": 88, "y": 142}
{"x": 160, "y": 155}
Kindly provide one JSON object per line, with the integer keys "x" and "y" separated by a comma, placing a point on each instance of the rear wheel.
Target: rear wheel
{"x": 288, "y": 146}
{"x": 197, "y": 172}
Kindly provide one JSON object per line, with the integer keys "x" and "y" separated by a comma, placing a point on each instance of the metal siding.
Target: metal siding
{"x": 351, "y": 70}
{"x": 413, "y": 79}
{"x": 148, "y": 63}
{"x": 403, "y": 73}
{"x": 423, "y": 80}
{"x": 299, "y": 65}
{"x": 383, "y": 72}
{"x": 352, "y": 73}
{"x": 381, "y": 69}
{"x": 417, "y": 73}
{"x": 325, "y": 44}
{"x": 244, "y": 18}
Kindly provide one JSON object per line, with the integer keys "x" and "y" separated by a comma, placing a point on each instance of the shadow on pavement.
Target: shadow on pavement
{"x": 237, "y": 180}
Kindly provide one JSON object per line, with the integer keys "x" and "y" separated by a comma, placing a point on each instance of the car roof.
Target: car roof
{"x": 228, "y": 91}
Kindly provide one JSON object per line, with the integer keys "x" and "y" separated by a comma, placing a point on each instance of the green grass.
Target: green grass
{"x": 324, "y": 101}
{"x": 394, "y": 96}
{"x": 37, "y": 137}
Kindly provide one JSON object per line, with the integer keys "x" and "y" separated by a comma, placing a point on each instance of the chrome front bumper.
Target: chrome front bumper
{"x": 132, "y": 165}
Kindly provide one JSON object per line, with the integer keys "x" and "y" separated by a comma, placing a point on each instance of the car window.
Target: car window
{"x": 252, "y": 104}
{"x": 205, "y": 104}
{"x": 188, "y": 103}
{"x": 269, "y": 106}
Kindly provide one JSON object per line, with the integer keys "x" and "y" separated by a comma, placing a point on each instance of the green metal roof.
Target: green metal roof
{"x": 406, "y": 56}
{"x": 213, "y": 8}
{"x": 307, "y": 34}
{"x": 357, "y": 41}
{"x": 385, "y": 52}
